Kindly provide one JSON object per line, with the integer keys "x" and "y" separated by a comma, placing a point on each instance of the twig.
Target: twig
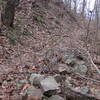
{"x": 89, "y": 79}
{"x": 88, "y": 30}
{"x": 93, "y": 62}
{"x": 90, "y": 60}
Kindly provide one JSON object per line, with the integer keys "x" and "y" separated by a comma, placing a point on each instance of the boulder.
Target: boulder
{"x": 20, "y": 83}
{"x": 56, "y": 97}
{"x": 49, "y": 86}
{"x": 35, "y": 79}
{"x": 68, "y": 83}
{"x": 82, "y": 90}
{"x": 16, "y": 97}
{"x": 33, "y": 93}
{"x": 97, "y": 94}
{"x": 80, "y": 62}
{"x": 82, "y": 69}
{"x": 70, "y": 60}
{"x": 58, "y": 78}
{"x": 64, "y": 69}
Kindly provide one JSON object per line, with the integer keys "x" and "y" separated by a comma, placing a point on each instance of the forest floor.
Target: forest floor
{"x": 40, "y": 37}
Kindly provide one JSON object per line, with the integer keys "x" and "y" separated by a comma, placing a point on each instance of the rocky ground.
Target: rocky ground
{"x": 41, "y": 58}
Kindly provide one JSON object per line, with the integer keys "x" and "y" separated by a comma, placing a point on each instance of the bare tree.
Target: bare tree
{"x": 75, "y": 5}
{"x": 8, "y": 12}
{"x": 68, "y": 3}
{"x": 97, "y": 15}
{"x": 83, "y": 7}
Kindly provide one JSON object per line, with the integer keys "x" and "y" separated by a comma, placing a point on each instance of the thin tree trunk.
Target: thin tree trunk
{"x": 83, "y": 8}
{"x": 8, "y": 12}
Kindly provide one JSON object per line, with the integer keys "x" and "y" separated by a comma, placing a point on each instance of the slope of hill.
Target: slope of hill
{"x": 38, "y": 28}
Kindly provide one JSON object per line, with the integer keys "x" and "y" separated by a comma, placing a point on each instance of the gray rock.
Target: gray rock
{"x": 80, "y": 62}
{"x": 97, "y": 94}
{"x": 49, "y": 86}
{"x": 54, "y": 60}
{"x": 33, "y": 93}
{"x": 64, "y": 69}
{"x": 58, "y": 78}
{"x": 69, "y": 59}
{"x": 77, "y": 89}
{"x": 56, "y": 97}
{"x": 83, "y": 90}
{"x": 82, "y": 69}
{"x": 65, "y": 57}
{"x": 49, "y": 83}
{"x": 68, "y": 83}
{"x": 20, "y": 83}
{"x": 35, "y": 79}
{"x": 16, "y": 97}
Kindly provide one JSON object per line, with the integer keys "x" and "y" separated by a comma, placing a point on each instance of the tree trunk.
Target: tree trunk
{"x": 8, "y": 12}
{"x": 75, "y": 5}
{"x": 83, "y": 8}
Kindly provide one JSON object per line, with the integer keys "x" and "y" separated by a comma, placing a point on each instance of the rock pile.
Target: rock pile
{"x": 58, "y": 83}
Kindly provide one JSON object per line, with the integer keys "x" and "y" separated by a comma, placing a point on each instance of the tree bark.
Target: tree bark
{"x": 83, "y": 8}
{"x": 8, "y": 12}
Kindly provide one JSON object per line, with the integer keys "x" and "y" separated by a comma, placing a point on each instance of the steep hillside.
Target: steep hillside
{"x": 38, "y": 29}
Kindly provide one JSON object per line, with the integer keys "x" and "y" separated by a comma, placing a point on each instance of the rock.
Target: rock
{"x": 45, "y": 98}
{"x": 65, "y": 57}
{"x": 35, "y": 79}
{"x": 69, "y": 59}
{"x": 49, "y": 86}
{"x": 80, "y": 62}
{"x": 4, "y": 82}
{"x": 49, "y": 83}
{"x": 82, "y": 69}
{"x": 54, "y": 60}
{"x": 33, "y": 93}
{"x": 64, "y": 69}
{"x": 77, "y": 89}
{"x": 83, "y": 90}
{"x": 20, "y": 83}
{"x": 67, "y": 83}
{"x": 56, "y": 97}
{"x": 58, "y": 78}
{"x": 16, "y": 97}
{"x": 97, "y": 94}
